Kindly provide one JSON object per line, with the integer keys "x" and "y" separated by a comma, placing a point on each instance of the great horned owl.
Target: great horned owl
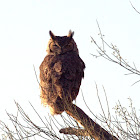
{"x": 61, "y": 73}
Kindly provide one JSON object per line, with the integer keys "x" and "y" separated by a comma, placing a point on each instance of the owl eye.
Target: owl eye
{"x": 55, "y": 45}
{"x": 53, "y": 48}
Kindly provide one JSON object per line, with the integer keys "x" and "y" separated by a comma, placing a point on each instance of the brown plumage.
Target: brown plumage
{"x": 61, "y": 73}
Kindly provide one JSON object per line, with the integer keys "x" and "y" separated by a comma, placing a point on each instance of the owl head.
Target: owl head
{"x": 61, "y": 44}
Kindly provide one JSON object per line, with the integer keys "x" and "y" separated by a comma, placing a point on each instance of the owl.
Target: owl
{"x": 61, "y": 73}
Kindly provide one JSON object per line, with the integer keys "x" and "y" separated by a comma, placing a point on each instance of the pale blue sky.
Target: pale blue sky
{"x": 24, "y": 27}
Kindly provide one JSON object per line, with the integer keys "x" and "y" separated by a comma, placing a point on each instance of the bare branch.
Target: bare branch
{"x": 74, "y": 131}
{"x": 134, "y": 7}
{"x": 114, "y": 56}
{"x": 95, "y": 130}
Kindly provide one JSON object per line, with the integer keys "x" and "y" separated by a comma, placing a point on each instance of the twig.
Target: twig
{"x": 134, "y": 7}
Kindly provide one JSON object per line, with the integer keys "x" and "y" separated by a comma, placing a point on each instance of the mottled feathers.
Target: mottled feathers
{"x": 61, "y": 73}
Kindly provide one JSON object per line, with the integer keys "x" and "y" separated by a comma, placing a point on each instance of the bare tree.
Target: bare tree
{"x": 27, "y": 128}
{"x": 76, "y": 124}
{"x": 125, "y": 125}
{"x": 114, "y": 56}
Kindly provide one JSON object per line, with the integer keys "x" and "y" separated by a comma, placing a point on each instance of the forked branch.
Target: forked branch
{"x": 91, "y": 128}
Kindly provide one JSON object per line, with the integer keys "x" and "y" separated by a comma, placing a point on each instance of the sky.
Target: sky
{"x": 24, "y": 34}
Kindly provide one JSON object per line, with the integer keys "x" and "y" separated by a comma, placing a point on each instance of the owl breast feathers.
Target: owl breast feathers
{"x": 61, "y": 73}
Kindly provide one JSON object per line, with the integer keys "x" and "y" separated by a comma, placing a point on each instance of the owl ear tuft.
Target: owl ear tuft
{"x": 70, "y": 34}
{"x": 52, "y": 35}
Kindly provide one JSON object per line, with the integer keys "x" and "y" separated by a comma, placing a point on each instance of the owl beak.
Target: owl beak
{"x": 60, "y": 50}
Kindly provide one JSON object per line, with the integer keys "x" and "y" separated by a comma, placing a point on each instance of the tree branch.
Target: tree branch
{"x": 93, "y": 129}
{"x": 74, "y": 131}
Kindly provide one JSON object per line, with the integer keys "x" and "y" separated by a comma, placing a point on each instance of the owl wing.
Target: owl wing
{"x": 68, "y": 71}
{"x": 47, "y": 95}
{"x": 72, "y": 74}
